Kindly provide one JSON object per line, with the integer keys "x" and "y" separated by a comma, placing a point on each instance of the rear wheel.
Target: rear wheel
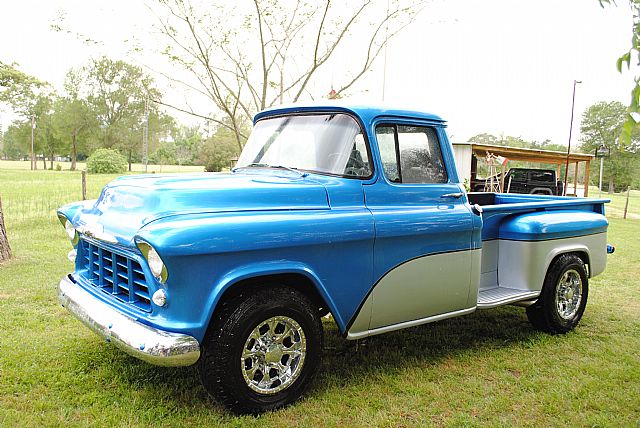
{"x": 563, "y": 298}
{"x": 263, "y": 350}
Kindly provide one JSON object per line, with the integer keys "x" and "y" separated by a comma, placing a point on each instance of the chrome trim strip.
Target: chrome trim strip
{"x": 407, "y": 324}
{"x": 93, "y": 231}
{"x": 146, "y": 343}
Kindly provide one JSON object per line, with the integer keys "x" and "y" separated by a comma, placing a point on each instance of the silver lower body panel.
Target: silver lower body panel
{"x": 146, "y": 343}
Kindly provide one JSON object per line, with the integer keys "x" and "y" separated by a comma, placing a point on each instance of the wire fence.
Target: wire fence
{"x": 36, "y": 195}
{"x": 28, "y": 196}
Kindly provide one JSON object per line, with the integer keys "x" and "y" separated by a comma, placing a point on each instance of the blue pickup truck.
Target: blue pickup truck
{"x": 352, "y": 211}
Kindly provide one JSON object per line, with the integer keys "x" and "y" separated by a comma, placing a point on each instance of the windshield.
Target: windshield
{"x": 324, "y": 143}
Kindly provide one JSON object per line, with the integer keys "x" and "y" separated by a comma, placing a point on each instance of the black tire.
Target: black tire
{"x": 556, "y": 311}
{"x": 222, "y": 368}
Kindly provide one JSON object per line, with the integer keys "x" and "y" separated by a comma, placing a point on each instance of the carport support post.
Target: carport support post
{"x": 587, "y": 168}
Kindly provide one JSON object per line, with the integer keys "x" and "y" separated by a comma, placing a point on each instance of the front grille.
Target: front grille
{"x": 115, "y": 274}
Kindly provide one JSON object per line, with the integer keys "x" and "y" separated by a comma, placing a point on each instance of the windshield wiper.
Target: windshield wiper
{"x": 264, "y": 165}
{"x": 288, "y": 168}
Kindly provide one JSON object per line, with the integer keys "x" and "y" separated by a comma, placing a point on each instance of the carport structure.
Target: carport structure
{"x": 467, "y": 153}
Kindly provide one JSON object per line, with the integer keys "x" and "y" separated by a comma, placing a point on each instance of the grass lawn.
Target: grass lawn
{"x": 488, "y": 368}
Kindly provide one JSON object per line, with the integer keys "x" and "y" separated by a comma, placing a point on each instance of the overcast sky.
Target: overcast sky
{"x": 496, "y": 66}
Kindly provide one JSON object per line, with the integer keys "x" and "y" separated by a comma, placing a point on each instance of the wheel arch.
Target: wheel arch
{"x": 298, "y": 277}
{"x": 582, "y": 251}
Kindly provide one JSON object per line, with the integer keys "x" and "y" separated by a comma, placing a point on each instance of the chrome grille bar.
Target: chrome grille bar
{"x": 113, "y": 273}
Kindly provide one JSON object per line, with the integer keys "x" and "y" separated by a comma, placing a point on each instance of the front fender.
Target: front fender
{"x": 276, "y": 267}
{"x": 207, "y": 254}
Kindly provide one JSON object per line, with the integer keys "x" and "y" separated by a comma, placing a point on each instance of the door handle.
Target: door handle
{"x": 452, "y": 195}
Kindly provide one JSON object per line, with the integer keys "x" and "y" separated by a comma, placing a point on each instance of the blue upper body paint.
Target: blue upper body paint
{"x": 343, "y": 234}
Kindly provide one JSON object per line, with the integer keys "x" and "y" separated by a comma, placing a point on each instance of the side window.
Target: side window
{"x": 411, "y": 154}
{"x": 541, "y": 176}
{"x": 387, "y": 144}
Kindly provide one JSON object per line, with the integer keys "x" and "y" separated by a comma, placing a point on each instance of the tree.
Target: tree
{"x": 47, "y": 141}
{"x": 165, "y": 154}
{"x": 16, "y": 140}
{"x": 602, "y": 124}
{"x": 631, "y": 121}
{"x": 292, "y": 40}
{"x": 73, "y": 118}
{"x": 25, "y": 94}
{"x": 18, "y": 89}
{"x": 119, "y": 97}
{"x": 187, "y": 144}
{"x": 219, "y": 149}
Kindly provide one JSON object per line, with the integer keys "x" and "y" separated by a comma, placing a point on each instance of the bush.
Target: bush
{"x": 106, "y": 161}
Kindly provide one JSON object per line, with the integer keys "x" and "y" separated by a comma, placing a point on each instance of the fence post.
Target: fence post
{"x": 84, "y": 185}
{"x": 626, "y": 204}
{"x": 5, "y": 249}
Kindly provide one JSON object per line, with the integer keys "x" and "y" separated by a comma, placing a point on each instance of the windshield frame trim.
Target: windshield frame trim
{"x": 325, "y": 112}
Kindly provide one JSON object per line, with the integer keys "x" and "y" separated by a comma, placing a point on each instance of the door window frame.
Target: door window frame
{"x": 437, "y": 127}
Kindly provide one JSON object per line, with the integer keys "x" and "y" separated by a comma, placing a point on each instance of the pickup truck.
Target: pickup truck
{"x": 352, "y": 211}
{"x": 526, "y": 180}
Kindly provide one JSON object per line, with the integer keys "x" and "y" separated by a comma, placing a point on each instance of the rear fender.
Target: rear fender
{"x": 580, "y": 249}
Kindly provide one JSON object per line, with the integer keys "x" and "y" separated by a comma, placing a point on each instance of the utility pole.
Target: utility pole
{"x": 600, "y": 182}
{"x": 386, "y": 43}
{"x": 145, "y": 136}
{"x": 602, "y": 152}
{"x": 566, "y": 168}
{"x": 33, "y": 155}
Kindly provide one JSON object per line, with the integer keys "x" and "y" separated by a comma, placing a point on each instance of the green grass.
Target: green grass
{"x": 489, "y": 368}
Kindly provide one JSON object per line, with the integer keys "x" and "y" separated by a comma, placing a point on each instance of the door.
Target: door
{"x": 423, "y": 225}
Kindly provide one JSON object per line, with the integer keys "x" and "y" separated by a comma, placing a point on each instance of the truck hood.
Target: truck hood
{"x": 128, "y": 203}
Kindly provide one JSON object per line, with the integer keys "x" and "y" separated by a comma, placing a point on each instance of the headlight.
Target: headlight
{"x": 72, "y": 233}
{"x": 156, "y": 265}
{"x": 155, "y": 262}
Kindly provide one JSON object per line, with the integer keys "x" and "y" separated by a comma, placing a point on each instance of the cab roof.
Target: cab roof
{"x": 366, "y": 112}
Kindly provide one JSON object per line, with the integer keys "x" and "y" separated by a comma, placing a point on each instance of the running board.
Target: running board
{"x": 498, "y": 296}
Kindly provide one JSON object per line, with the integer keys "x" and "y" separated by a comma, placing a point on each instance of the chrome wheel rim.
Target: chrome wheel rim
{"x": 273, "y": 355}
{"x": 569, "y": 294}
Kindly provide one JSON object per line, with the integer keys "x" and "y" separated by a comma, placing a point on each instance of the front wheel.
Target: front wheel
{"x": 263, "y": 350}
{"x": 563, "y": 298}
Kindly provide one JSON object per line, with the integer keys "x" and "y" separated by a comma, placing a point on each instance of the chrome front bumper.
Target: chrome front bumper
{"x": 149, "y": 344}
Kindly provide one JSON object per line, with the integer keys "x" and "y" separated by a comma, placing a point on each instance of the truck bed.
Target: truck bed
{"x": 497, "y": 207}
{"x": 521, "y": 235}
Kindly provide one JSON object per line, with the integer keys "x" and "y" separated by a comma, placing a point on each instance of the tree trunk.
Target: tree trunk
{"x": 611, "y": 185}
{"x": 51, "y": 161}
{"x": 129, "y": 160}
{"x": 74, "y": 152}
{"x": 44, "y": 161}
{"x": 5, "y": 250}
